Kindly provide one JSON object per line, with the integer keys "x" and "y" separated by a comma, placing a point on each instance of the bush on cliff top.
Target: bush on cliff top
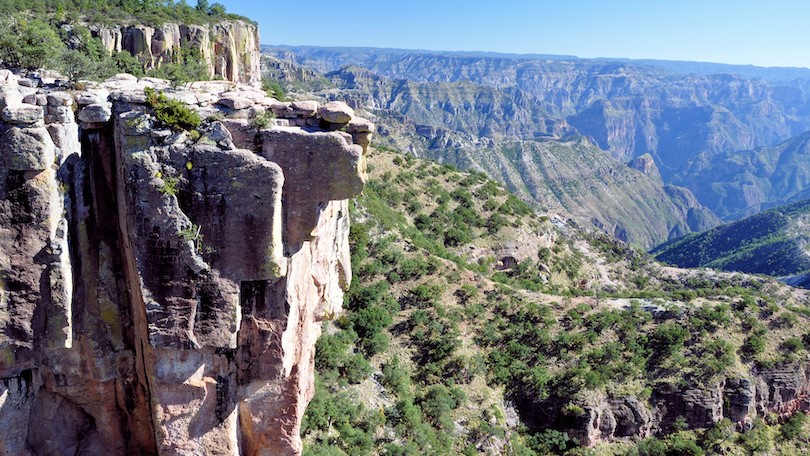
{"x": 172, "y": 113}
{"x": 148, "y": 12}
{"x": 52, "y": 34}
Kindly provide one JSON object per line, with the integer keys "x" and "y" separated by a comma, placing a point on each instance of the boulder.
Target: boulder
{"x": 235, "y": 102}
{"x": 220, "y": 136}
{"x": 23, "y": 114}
{"x": 96, "y": 113}
{"x": 359, "y": 125}
{"x": 126, "y": 77}
{"x": 92, "y": 96}
{"x": 9, "y": 96}
{"x": 7, "y": 77}
{"x": 306, "y": 108}
{"x": 336, "y": 112}
{"x": 62, "y": 114}
{"x": 28, "y": 149}
{"x": 58, "y": 99}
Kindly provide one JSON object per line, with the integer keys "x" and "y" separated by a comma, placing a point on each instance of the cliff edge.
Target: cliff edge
{"x": 229, "y": 49}
{"x": 161, "y": 290}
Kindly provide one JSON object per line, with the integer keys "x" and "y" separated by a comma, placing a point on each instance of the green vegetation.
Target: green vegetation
{"x": 116, "y": 12}
{"x": 438, "y": 336}
{"x": 274, "y": 89}
{"x": 170, "y": 112}
{"x": 54, "y": 34}
{"x": 767, "y": 243}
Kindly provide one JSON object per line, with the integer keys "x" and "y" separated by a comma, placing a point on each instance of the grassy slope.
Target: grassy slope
{"x": 771, "y": 242}
{"x": 438, "y": 348}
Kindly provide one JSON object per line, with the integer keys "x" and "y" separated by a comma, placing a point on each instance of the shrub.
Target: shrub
{"x": 274, "y": 89}
{"x": 678, "y": 445}
{"x": 263, "y": 120}
{"x": 172, "y": 113}
{"x": 791, "y": 345}
{"x": 549, "y": 441}
{"x": 437, "y": 405}
{"x": 650, "y": 446}
{"x": 794, "y": 427}
{"x": 667, "y": 339}
{"x": 716, "y": 358}
{"x": 753, "y": 345}
{"x": 169, "y": 187}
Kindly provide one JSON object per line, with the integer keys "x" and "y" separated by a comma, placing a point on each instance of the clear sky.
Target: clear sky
{"x": 758, "y": 32}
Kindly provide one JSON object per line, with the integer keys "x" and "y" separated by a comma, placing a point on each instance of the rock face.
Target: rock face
{"x": 646, "y": 164}
{"x": 476, "y": 127}
{"x": 723, "y": 136}
{"x": 162, "y": 295}
{"x": 779, "y": 391}
{"x": 230, "y": 49}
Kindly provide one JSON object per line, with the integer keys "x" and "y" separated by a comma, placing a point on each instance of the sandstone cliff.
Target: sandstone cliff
{"x": 162, "y": 290}
{"x": 229, "y": 49}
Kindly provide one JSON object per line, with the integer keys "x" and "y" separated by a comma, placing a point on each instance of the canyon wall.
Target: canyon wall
{"x": 161, "y": 290}
{"x": 773, "y": 393}
{"x": 229, "y": 49}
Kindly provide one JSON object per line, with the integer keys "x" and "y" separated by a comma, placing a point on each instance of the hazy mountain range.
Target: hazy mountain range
{"x": 726, "y": 138}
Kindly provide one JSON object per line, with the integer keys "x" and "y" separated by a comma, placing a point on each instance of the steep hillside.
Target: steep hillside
{"x": 474, "y": 326}
{"x": 473, "y": 127}
{"x": 468, "y": 108}
{"x": 742, "y": 183}
{"x": 774, "y": 242}
{"x": 686, "y": 121}
{"x": 575, "y": 177}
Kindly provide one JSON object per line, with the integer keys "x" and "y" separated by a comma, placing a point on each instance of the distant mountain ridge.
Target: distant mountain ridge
{"x": 686, "y": 119}
{"x": 774, "y": 242}
{"x": 741, "y": 183}
{"x": 509, "y": 136}
{"x": 678, "y": 66}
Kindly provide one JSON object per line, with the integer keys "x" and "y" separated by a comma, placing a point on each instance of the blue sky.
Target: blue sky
{"x": 759, "y": 32}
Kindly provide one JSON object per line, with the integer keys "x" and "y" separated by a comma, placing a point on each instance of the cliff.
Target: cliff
{"x": 719, "y": 134}
{"x": 472, "y": 127}
{"x": 229, "y": 49}
{"x": 162, "y": 290}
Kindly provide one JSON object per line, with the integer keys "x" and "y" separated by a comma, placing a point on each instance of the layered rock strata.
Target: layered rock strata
{"x": 162, "y": 290}
{"x": 777, "y": 393}
{"x": 229, "y": 49}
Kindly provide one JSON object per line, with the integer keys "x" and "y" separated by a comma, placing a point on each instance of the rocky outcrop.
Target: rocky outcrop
{"x": 778, "y": 392}
{"x": 714, "y": 132}
{"x": 229, "y": 49}
{"x": 473, "y": 127}
{"x": 646, "y": 164}
{"x": 162, "y": 290}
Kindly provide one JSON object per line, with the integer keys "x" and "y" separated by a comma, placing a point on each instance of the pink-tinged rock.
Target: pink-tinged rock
{"x": 318, "y": 167}
{"x": 360, "y": 125}
{"x": 306, "y": 108}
